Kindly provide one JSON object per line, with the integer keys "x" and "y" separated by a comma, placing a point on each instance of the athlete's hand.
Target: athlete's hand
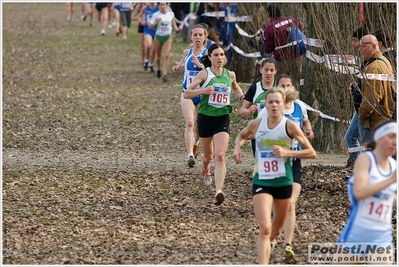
{"x": 195, "y": 61}
{"x": 209, "y": 90}
{"x": 237, "y": 155}
{"x": 279, "y": 152}
{"x": 252, "y": 109}
{"x": 309, "y": 134}
{"x": 176, "y": 68}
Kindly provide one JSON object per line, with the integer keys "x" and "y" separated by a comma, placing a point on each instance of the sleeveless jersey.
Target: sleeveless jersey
{"x": 297, "y": 114}
{"x": 259, "y": 98}
{"x": 164, "y": 27}
{"x": 208, "y": 44}
{"x": 270, "y": 170}
{"x": 190, "y": 70}
{"x": 149, "y": 12}
{"x": 218, "y": 103}
{"x": 370, "y": 219}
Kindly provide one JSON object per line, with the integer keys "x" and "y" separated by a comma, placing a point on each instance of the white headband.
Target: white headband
{"x": 388, "y": 128}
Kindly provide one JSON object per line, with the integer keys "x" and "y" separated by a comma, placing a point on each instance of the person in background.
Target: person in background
{"x": 102, "y": 11}
{"x": 229, "y": 26}
{"x": 90, "y": 7}
{"x": 216, "y": 86}
{"x": 117, "y": 16}
{"x": 352, "y": 134}
{"x": 372, "y": 190}
{"x": 149, "y": 34}
{"x": 275, "y": 35}
{"x": 140, "y": 29}
{"x": 377, "y": 100}
{"x": 126, "y": 9}
{"x": 70, "y": 9}
{"x": 385, "y": 44}
{"x": 254, "y": 99}
{"x": 192, "y": 66}
{"x": 272, "y": 177}
{"x": 165, "y": 22}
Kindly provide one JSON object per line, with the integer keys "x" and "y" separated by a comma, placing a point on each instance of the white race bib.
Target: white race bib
{"x": 190, "y": 78}
{"x": 375, "y": 210}
{"x": 269, "y": 166}
{"x": 221, "y": 96}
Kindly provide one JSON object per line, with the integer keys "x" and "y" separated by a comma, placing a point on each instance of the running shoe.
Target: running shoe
{"x": 196, "y": 149}
{"x": 151, "y": 68}
{"x": 146, "y": 65}
{"x": 164, "y": 79}
{"x": 102, "y": 31}
{"x": 124, "y": 38}
{"x": 288, "y": 253}
{"x": 219, "y": 197}
{"x": 191, "y": 161}
{"x": 159, "y": 73}
{"x": 206, "y": 176}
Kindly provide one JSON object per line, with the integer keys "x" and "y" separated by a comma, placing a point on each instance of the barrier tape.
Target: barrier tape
{"x": 330, "y": 62}
{"x": 239, "y": 51}
{"x": 356, "y": 149}
{"x": 321, "y": 114}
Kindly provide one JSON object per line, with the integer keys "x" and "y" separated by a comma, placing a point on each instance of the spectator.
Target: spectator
{"x": 352, "y": 133}
{"x": 275, "y": 36}
{"x": 385, "y": 44}
{"x": 387, "y": 51}
{"x": 200, "y": 9}
{"x": 377, "y": 101}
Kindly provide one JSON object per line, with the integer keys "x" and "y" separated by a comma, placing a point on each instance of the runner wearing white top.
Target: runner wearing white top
{"x": 272, "y": 179}
{"x": 372, "y": 192}
{"x": 165, "y": 22}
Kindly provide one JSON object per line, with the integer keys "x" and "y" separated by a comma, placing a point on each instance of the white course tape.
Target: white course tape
{"x": 221, "y": 14}
{"x": 239, "y": 51}
{"x": 356, "y": 149}
{"x": 321, "y": 114}
{"x": 244, "y": 33}
{"x": 330, "y": 62}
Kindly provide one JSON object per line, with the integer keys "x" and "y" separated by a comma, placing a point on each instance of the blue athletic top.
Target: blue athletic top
{"x": 297, "y": 117}
{"x": 190, "y": 70}
{"x": 149, "y": 12}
